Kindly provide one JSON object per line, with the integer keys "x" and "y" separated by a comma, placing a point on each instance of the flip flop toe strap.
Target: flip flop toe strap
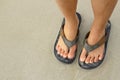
{"x": 89, "y": 47}
{"x": 67, "y": 42}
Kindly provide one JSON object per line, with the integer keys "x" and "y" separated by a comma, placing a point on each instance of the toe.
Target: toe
{"x": 92, "y": 59}
{"x": 100, "y": 57}
{"x": 65, "y": 55}
{"x": 83, "y": 55}
{"x": 96, "y": 59}
{"x": 88, "y": 59}
{"x": 71, "y": 53}
{"x": 60, "y": 51}
{"x": 57, "y": 46}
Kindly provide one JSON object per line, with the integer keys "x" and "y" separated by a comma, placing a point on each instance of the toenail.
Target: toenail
{"x": 82, "y": 59}
{"x": 86, "y": 62}
{"x": 100, "y": 58}
{"x": 58, "y": 52}
{"x": 95, "y": 61}
{"x": 91, "y": 61}
{"x": 64, "y": 56}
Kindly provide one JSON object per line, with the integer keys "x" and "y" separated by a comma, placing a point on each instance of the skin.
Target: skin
{"x": 102, "y": 10}
{"x": 68, "y": 9}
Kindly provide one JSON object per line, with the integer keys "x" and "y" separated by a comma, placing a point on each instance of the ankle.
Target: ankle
{"x": 70, "y": 29}
{"x": 72, "y": 21}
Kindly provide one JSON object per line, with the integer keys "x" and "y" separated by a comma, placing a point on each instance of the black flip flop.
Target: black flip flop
{"x": 68, "y": 43}
{"x": 89, "y": 48}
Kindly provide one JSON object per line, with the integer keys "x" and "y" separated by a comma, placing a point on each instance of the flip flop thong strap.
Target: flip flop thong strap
{"x": 68, "y": 43}
{"x": 90, "y": 48}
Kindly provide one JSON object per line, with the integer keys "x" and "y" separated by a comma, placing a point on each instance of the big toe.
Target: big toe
{"x": 83, "y": 55}
{"x": 71, "y": 53}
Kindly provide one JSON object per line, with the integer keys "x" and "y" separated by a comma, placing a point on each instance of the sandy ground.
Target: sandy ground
{"x": 28, "y": 29}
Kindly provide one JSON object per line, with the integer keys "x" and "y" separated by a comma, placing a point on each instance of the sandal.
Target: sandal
{"x": 68, "y": 43}
{"x": 90, "y": 48}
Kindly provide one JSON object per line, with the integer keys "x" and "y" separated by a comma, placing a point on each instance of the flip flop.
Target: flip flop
{"x": 68, "y": 43}
{"x": 90, "y": 48}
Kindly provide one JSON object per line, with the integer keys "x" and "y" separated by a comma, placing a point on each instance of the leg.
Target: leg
{"x": 102, "y": 11}
{"x": 68, "y": 9}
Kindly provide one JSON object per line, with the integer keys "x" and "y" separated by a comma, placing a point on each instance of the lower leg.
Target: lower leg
{"x": 102, "y": 11}
{"x": 68, "y": 9}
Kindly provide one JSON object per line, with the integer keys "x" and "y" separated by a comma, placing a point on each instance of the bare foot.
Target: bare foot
{"x": 96, "y": 54}
{"x": 70, "y": 30}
